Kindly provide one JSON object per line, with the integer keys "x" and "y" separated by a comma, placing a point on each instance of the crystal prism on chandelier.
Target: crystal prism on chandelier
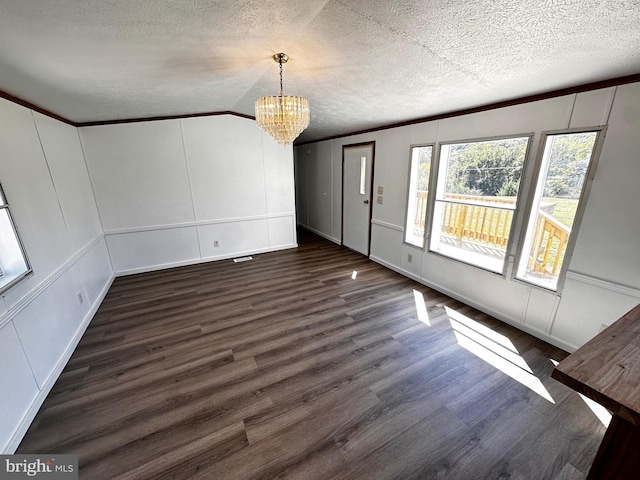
{"x": 282, "y": 117}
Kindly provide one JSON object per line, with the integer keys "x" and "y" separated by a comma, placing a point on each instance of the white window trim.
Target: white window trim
{"x": 582, "y": 204}
{"x": 17, "y": 278}
{"x": 427, "y": 223}
{"x": 516, "y": 223}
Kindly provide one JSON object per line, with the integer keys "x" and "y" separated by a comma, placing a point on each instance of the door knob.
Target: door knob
{"x": 366, "y": 201}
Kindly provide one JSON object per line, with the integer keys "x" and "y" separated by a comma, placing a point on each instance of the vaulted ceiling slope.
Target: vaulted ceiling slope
{"x": 361, "y": 64}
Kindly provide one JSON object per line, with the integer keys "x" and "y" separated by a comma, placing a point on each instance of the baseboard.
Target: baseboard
{"x": 27, "y": 419}
{"x": 480, "y": 306}
{"x": 320, "y": 234}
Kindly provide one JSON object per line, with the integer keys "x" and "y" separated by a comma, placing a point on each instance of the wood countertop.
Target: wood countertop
{"x": 607, "y": 368}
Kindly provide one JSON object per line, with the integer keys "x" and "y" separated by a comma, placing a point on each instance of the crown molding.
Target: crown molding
{"x": 48, "y": 113}
{"x": 162, "y": 117}
{"x": 492, "y": 106}
{"x": 35, "y": 108}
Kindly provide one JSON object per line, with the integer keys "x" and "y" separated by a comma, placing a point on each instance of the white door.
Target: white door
{"x": 357, "y": 177}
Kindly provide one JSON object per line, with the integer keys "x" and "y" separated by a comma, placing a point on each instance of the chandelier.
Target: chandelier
{"x": 282, "y": 117}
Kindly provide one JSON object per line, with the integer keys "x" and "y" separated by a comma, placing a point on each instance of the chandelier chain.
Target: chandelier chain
{"x": 280, "y": 62}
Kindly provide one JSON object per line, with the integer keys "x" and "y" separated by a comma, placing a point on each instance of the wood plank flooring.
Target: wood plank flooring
{"x": 289, "y": 367}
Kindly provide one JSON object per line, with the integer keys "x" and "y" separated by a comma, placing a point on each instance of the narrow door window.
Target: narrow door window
{"x": 363, "y": 175}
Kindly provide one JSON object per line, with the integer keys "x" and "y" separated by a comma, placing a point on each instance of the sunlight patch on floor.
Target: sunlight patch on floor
{"x": 495, "y": 349}
{"x": 481, "y": 329}
{"x": 598, "y": 410}
{"x": 421, "y": 308}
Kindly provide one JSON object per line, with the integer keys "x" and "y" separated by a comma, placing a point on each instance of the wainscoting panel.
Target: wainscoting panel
{"x": 95, "y": 269}
{"x": 45, "y": 337}
{"x": 19, "y": 388}
{"x": 282, "y": 231}
{"x": 238, "y": 237}
{"x": 153, "y": 249}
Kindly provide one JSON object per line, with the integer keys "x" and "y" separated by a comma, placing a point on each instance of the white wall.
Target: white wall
{"x": 98, "y": 201}
{"x": 603, "y": 281}
{"x": 168, "y": 190}
{"x": 44, "y": 176}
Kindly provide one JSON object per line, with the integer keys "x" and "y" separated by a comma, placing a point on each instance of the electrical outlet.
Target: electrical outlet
{"x": 216, "y": 243}
{"x": 80, "y": 299}
{"x": 379, "y": 200}
{"x": 409, "y": 258}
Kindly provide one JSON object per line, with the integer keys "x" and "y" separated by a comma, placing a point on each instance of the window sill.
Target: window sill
{"x": 8, "y": 280}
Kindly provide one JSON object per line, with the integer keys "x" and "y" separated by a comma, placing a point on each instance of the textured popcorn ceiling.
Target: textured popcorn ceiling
{"x": 360, "y": 63}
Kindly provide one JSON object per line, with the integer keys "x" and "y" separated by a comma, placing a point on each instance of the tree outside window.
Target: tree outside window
{"x": 476, "y": 196}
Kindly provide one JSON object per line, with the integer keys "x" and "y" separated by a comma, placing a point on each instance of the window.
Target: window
{"x": 566, "y": 160}
{"x": 13, "y": 262}
{"x": 363, "y": 174}
{"x": 475, "y": 200}
{"x": 414, "y": 231}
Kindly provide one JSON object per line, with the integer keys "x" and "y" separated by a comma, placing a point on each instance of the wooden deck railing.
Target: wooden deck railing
{"x": 487, "y": 220}
{"x": 421, "y": 209}
{"x": 549, "y": 245}
{"x": 479, "y": 221}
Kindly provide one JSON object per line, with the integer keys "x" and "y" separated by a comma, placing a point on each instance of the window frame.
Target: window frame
{"x": 516, "y": 222}
{"x": 29, "y": 270}
{"x": 427, "y": 224}
{"x": 582, "y": 204}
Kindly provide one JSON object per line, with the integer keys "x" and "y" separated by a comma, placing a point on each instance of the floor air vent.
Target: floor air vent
{"x": 242, "y": 259}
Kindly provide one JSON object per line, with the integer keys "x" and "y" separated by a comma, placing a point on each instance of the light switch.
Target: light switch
{"x": 380, "y": 190}
{"x": 380, "y": 199}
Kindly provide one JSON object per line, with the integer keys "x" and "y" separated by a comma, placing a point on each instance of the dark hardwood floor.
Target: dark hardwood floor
{"x": 288, "y": 367}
